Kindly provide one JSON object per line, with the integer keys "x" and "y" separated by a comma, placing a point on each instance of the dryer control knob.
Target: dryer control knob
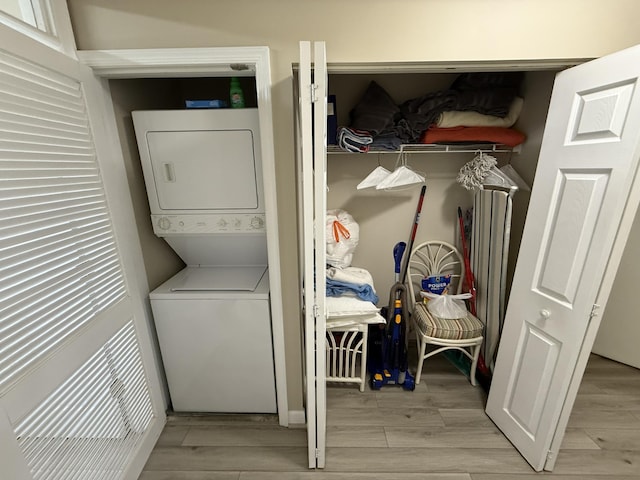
{"x": 257, "y": 222}
{"x": 164, "y": 223}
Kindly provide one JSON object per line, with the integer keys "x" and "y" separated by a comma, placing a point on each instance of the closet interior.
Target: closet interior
{"x": 386, "y": 216}
{"x": 128, "y": 95}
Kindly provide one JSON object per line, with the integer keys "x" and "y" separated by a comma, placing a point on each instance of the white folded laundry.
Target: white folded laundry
{"x": 347, "y": 306}
{"x": 474, "y": 119}
{"x": 356, "y": 275}
{"x": 345, "y": 321}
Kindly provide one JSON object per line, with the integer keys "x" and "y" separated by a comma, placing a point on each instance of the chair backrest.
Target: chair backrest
{"x": 434, "y": 258}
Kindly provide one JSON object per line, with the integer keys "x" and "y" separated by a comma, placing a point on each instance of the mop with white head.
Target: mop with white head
{"x": 473, "y": 173}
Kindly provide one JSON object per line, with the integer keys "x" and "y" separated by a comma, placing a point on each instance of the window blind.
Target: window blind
{"x": 59, "y": 265}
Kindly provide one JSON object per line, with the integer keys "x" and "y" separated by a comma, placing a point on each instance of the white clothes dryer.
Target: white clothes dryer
{"x": 203, "y": 175}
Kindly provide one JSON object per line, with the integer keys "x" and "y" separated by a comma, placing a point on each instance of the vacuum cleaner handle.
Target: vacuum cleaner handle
{"x": 398, "y": 252}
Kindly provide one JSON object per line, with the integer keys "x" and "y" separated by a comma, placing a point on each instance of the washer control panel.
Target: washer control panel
{"x": 211, "y": 223}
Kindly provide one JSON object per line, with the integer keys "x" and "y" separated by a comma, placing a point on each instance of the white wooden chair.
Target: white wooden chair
{"x": 346, "y": 357}
{"x": 464, "y": 334}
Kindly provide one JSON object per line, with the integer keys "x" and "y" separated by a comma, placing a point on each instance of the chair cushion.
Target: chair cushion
{"x": 446, "y": 328}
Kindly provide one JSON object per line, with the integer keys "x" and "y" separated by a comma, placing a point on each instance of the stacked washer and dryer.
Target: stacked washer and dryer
{"x": 203, "y": 175}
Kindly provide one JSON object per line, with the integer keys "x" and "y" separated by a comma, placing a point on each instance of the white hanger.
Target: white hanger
{"x": 402, "y": 176}
{"x": 374, "y": 178}
{"x": 383, "y": 179}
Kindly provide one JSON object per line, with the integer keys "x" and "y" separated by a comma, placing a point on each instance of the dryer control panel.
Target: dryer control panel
{"x": 208, "y": 224}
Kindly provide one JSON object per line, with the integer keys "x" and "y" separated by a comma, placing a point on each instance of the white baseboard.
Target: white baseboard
{"x": 296, "y": 417}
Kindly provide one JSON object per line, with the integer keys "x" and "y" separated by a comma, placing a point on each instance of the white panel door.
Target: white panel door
{"x": 313, "y": 118}
{"x": 584, "y": 179}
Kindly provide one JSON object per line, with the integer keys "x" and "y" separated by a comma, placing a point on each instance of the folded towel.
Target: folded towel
{"x": 353, "y": 140}
{"x": 364, "y": 291}
{"x": 343, "y": 322}
{"x": 350, "y": 275}
{"x": 346, "y": 306}
{"x": 475, "y": 119}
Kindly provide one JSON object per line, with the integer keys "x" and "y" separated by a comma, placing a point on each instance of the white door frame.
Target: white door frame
{"x": 203, "y": 62}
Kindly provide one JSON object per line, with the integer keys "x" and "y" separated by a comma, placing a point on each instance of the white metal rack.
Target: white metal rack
{"x": 435, "y": 148}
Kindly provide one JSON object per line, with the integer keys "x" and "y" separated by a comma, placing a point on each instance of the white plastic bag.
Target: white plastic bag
{"x": 343, "y": 234}
{"x": 447, "y": 306}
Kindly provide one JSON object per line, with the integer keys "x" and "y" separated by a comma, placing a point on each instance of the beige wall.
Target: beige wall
{"x": 160, "y": 261}
{"x": 355, "y": 31}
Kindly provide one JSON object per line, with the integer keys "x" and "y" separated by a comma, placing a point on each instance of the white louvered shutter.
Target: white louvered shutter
{"x": 72, "y": 382}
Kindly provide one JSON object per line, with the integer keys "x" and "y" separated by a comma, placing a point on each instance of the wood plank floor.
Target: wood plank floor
{"x": 437, "y": 432}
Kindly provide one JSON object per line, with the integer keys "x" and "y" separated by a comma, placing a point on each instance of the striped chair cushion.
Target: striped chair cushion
{"x": 446, "y": 328}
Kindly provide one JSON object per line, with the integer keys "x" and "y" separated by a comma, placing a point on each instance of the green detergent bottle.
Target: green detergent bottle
{"x": 235, "y": 94}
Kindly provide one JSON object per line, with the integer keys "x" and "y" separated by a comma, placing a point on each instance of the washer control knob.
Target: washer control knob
{"x": 257, "y": 222}
{"x": 237, "y": 223}
{"x": 222, "y": 223}
{"x": 164, "y": 223}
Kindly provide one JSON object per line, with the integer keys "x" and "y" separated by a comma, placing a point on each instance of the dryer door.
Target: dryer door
{"x": 204, "y": 170}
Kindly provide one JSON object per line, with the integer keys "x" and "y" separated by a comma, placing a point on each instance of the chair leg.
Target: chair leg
{"x": 363, "y": 360}
{"x": 474, "y": 364}
{"x": 422, "y": 346}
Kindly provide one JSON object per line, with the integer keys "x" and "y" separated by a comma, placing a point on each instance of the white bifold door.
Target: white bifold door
{"x": 313, "y": 127}
{"x": 583, "y": 201}
{"x": 584, "y": 198}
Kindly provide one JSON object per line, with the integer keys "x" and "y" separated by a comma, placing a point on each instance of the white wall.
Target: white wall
{"x": 620, "y": 327}
{"x": 355, "y": 31}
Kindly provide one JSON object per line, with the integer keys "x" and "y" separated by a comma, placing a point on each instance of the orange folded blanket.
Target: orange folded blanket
{"x": 501, "y": 135}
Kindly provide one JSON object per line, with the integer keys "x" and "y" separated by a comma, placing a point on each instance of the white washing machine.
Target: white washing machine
{"x": 214, "y": 328}
{"x": 203, "y": 176}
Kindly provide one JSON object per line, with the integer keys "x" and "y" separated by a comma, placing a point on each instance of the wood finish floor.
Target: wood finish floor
{"x": 437, "y": 432}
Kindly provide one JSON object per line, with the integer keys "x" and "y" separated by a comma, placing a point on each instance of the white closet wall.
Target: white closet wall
{"x": 620, "y": 328}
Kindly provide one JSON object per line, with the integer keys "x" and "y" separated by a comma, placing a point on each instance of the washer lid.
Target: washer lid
{"x": 241, "y": 278}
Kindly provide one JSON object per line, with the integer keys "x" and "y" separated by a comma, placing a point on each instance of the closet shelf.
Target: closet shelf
{"x": 435, "y": 148}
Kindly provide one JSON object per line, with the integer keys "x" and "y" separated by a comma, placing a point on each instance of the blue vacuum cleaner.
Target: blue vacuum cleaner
{"x": 392, "y": 365}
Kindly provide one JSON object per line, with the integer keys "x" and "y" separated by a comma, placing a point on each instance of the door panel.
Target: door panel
{"x": 216, "y": 171}
{"x": 320, "y": 80}
{"x": 574, "y": 208}
{"x": 313, "y": 111}
{"x": 532, "y": 378}
{"x": 306, "y": 151}
{"x": 587, "y": 164}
